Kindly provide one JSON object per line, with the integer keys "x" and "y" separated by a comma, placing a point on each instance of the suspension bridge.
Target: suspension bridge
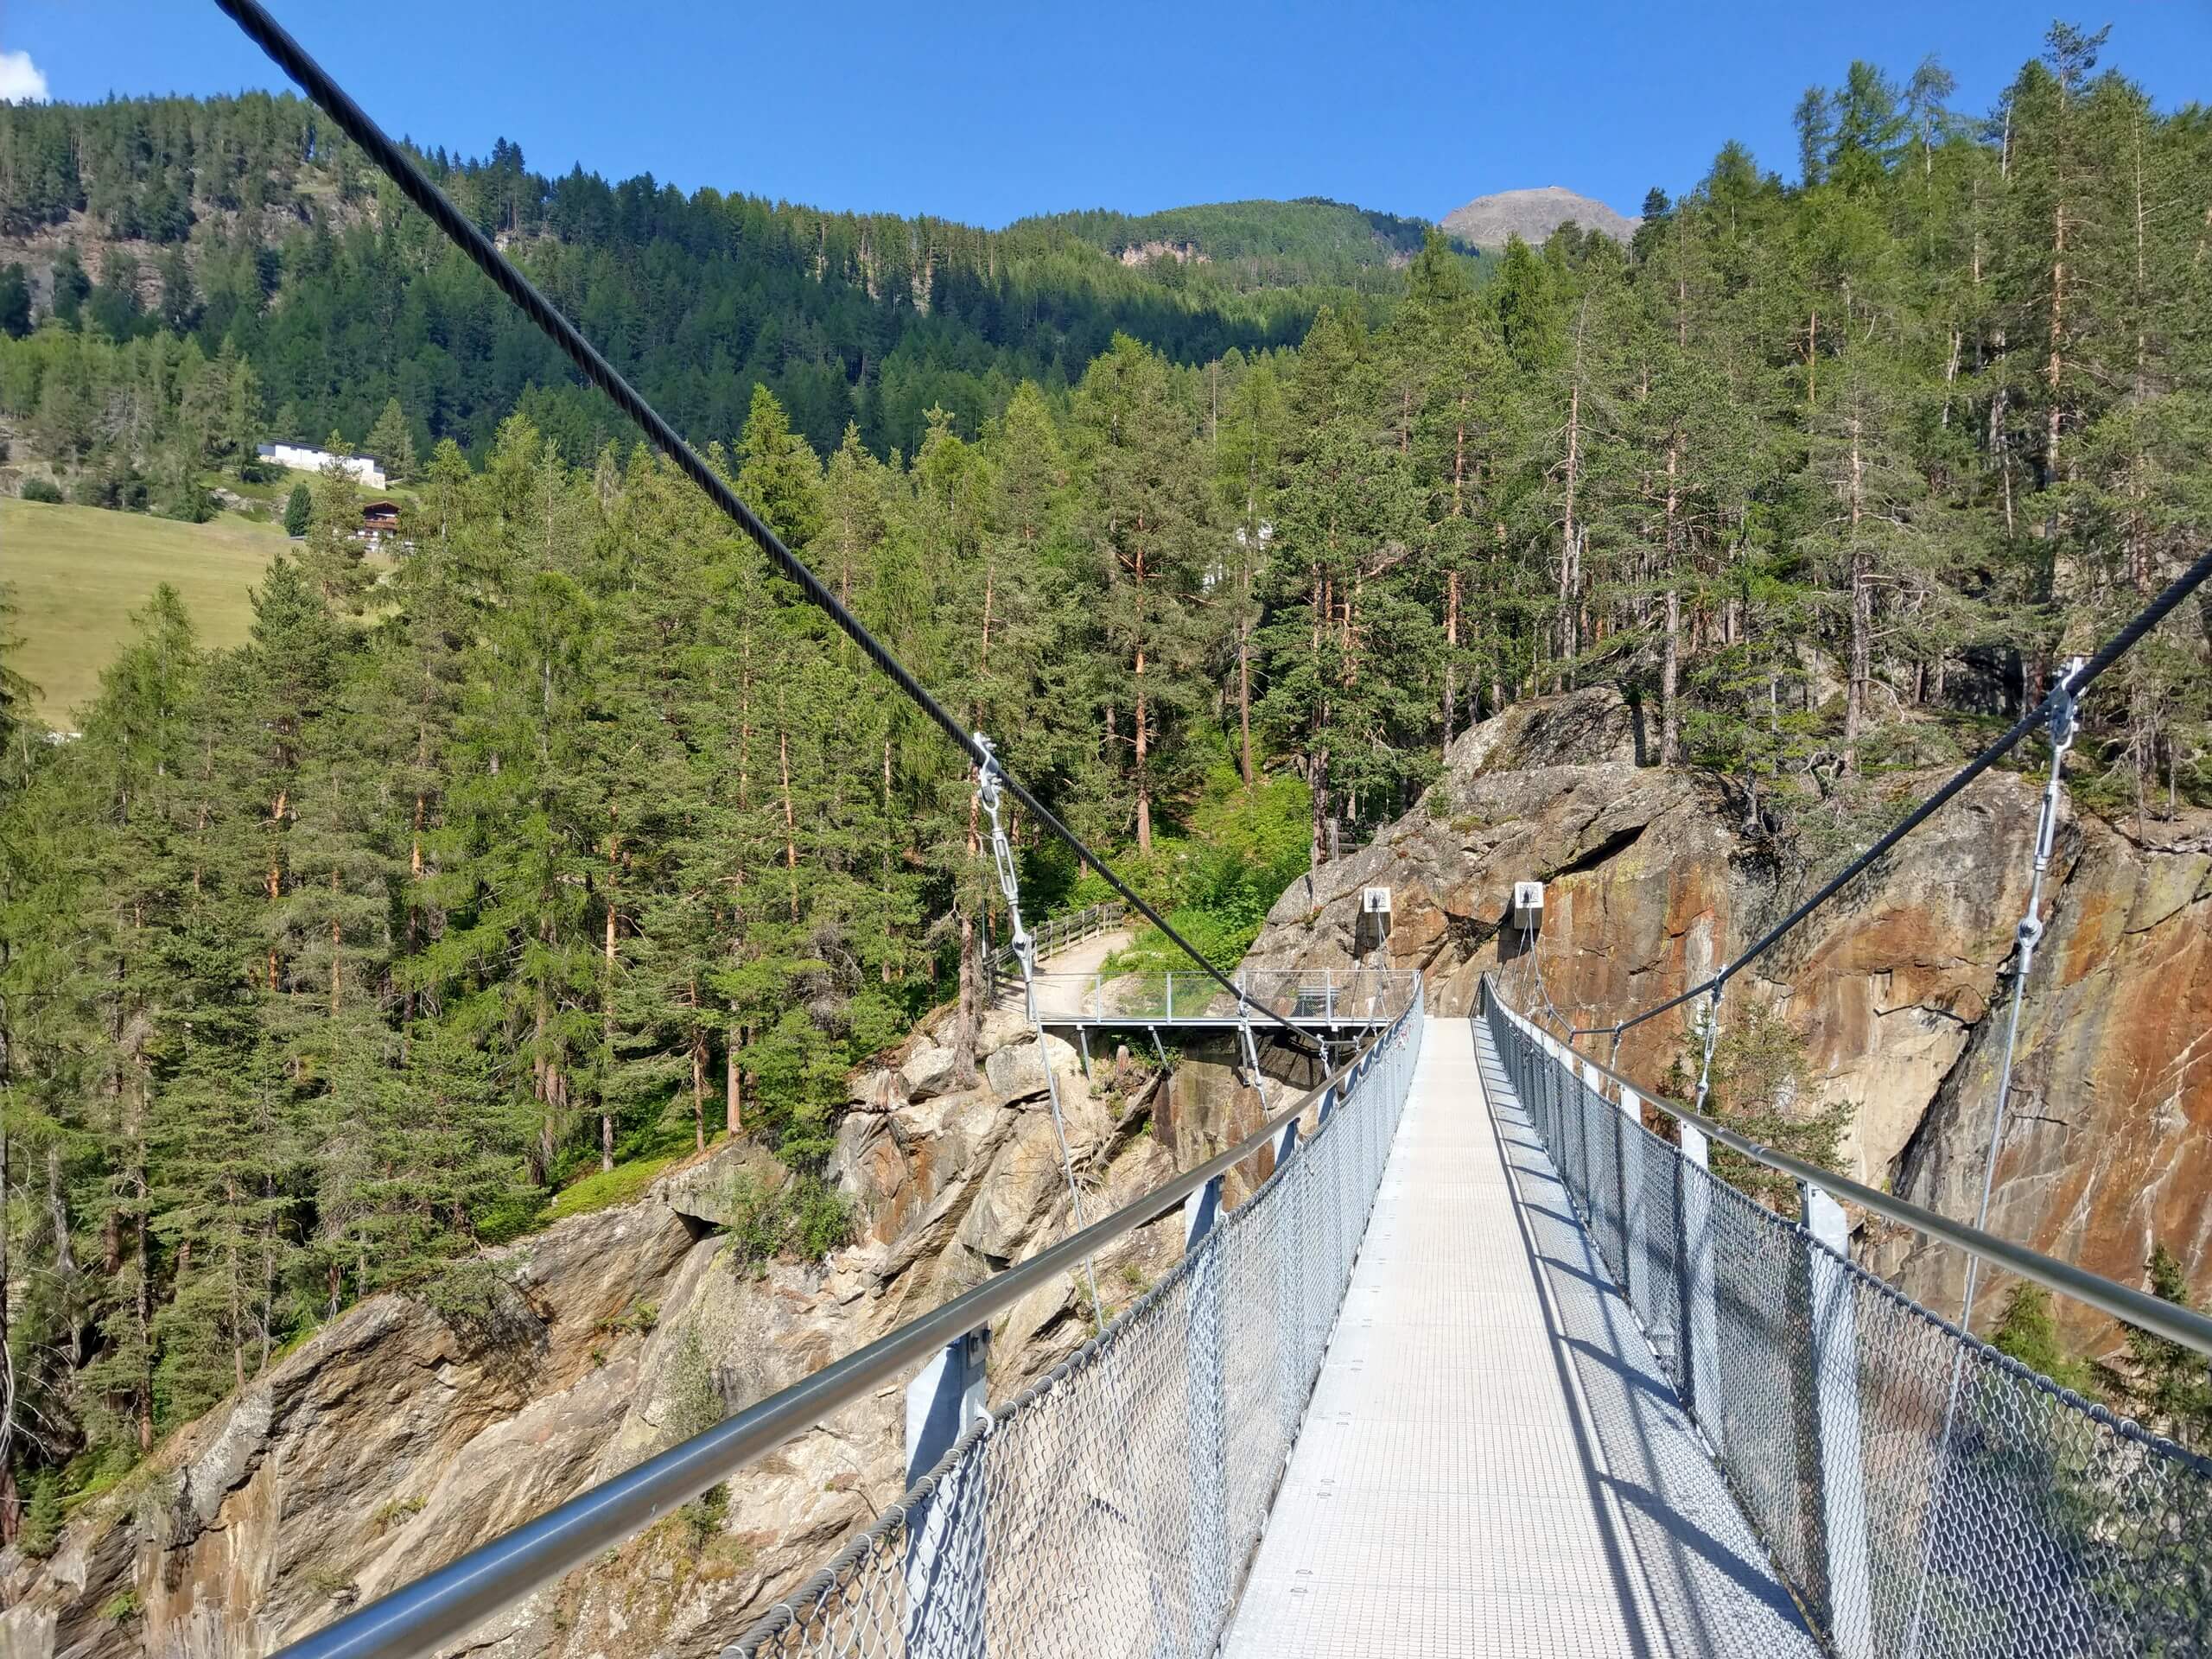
{"x": 1491, "y": 1361}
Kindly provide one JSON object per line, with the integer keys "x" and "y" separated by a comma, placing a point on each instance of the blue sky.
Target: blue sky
{"x": 985, "y": 111}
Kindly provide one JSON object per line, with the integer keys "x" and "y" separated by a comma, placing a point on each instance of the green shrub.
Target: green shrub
{"x": 42, "y": 489}
{"x": 41, "y": 1533}
{"x": 807, "y": 1218}
{"x": 823, "y": 1218}
{"x": 477, "y": 1298}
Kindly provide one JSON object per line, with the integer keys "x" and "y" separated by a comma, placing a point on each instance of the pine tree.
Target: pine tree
{"x": 1147, "y": 533}
{"x": 299, "y": 513}
{"x": 332, "y": 557}
{"x": 2171, "y": 1388}
{"x": 392, "y": 440}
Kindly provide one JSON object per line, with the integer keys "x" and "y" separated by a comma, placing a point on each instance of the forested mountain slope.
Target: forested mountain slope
{"x": 333, "y": 958}
{"x": 1257, "y": 243}
{"x": 246, "y": 220}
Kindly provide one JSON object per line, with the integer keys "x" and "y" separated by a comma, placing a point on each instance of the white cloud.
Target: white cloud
{"x": 21, "y": 80}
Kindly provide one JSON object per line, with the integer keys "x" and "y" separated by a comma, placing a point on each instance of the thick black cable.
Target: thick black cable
{"x": 2070, "y": 688}
{"x": 401, "y": 168}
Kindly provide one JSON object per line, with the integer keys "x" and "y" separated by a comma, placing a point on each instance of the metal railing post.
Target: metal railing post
{"x": 1629, "y": 1164}
{"x": 1700, "y": 1321}
{"x": 1835, "y": 1398}
{"x": 1207, "y": 1418}
{"x": 1290, "y": 1320}
{"x": 944, "y": 1588}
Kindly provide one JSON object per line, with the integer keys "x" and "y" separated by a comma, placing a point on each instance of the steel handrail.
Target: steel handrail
{"x": 422, "y": 1617}
{"x": 2172, "y": 1321}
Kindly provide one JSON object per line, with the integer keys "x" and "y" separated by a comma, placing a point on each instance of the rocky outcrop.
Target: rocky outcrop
{"x": 399, "y": 1437}
{"x": 1651, "y": 881}
{"x": 1491, "y": 221}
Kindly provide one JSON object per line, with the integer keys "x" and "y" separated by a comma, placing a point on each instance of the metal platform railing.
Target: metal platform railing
{"x": 1923, "y": 1494}
{"x": 1308, "y": 996}
{"x": 1112, "y": 1508}
{"x": 1003, "y": 967}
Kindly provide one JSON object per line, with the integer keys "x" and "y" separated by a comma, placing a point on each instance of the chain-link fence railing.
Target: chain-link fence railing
{"x": 1110, "y": 1511}
{"x": 1923, "y": 1494}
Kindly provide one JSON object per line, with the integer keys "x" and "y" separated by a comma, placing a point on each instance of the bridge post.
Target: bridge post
{"x": 1291, "y": 1315}
{"x": 1629, "y": 1161}
{"x": 1207, "y": 1426}
{"x": 1835, "y": 1395}
{"x": 1700, "y": 1334}
{"x": 944, "y": 1546}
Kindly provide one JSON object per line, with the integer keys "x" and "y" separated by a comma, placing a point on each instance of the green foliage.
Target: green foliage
{"x": 2026, "y": 1330}
{"x": 299, "y": 511}
{"x": 1760, "y": 1085}
{"x": 40, "y": 489}
{"x": 805, "y": 1218}
{"x": 392, "y": 440}
{"x": 1217, "y": 882}
{"x": 2170, "y": 1385}
{"x": 1251, "y": 245}
{"x": 847, "y": 318}
{"x": 480, "y": 1300}
{"x": 41, "y": 1530}
{"x": 602, "y": 1189}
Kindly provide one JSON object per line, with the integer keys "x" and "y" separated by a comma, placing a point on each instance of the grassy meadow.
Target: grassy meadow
{"x": 77, "y": 573}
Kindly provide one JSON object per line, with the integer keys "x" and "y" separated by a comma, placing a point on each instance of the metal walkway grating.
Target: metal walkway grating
{"x": 1492, "y": 1462}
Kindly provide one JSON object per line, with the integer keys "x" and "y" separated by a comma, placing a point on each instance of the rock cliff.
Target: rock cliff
{"x": 397, "y": 1438}
{"x": 1651, "y": 882}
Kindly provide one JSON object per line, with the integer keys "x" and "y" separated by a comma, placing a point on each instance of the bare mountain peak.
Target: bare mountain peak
{"x": 1532, "y": 215}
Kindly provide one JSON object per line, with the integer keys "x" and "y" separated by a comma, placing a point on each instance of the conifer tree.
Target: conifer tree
{"x": 392, "y": 440}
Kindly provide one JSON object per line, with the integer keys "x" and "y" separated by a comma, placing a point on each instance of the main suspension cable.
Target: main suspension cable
{"x": 416, "y": 186}
{"x": 2063, "y": 695}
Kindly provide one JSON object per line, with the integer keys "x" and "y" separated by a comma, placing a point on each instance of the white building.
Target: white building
{"x": 301, "y": 458}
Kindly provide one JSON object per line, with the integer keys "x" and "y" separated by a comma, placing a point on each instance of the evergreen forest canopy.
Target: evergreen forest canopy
{"x": 247, "y": 222}
{"x": 332, "y": 959}
{"x": 1258, "y": 243}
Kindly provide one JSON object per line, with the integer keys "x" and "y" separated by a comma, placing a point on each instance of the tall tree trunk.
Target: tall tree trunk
{"x": 1244, "y": 699}
{"x": 1570, "y": 580}
{"x": 1317, "y": 778}
{"x": 698, "y": 1076}
{"x": 1670, "y": 661}
{"x": 1451, "y": 654}
{"x": 11, "y": 1504}
{"x": 1144, "y": 776}
{"x": 790, "y": 817}
{"x": 145, "y": 1312}
{"x": 607, "y": 999}
{"x": 337, "y": 943}
{"x": 1862, "y": 610}
{"x": 1143, "y": 735}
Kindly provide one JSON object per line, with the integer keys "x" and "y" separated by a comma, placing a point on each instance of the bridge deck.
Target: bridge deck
{"x": 1492, "y": 1462}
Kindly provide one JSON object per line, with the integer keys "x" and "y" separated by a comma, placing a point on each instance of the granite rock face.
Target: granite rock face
{"x": 392, "y": 1442}
{"x": 1898, "y": 987}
